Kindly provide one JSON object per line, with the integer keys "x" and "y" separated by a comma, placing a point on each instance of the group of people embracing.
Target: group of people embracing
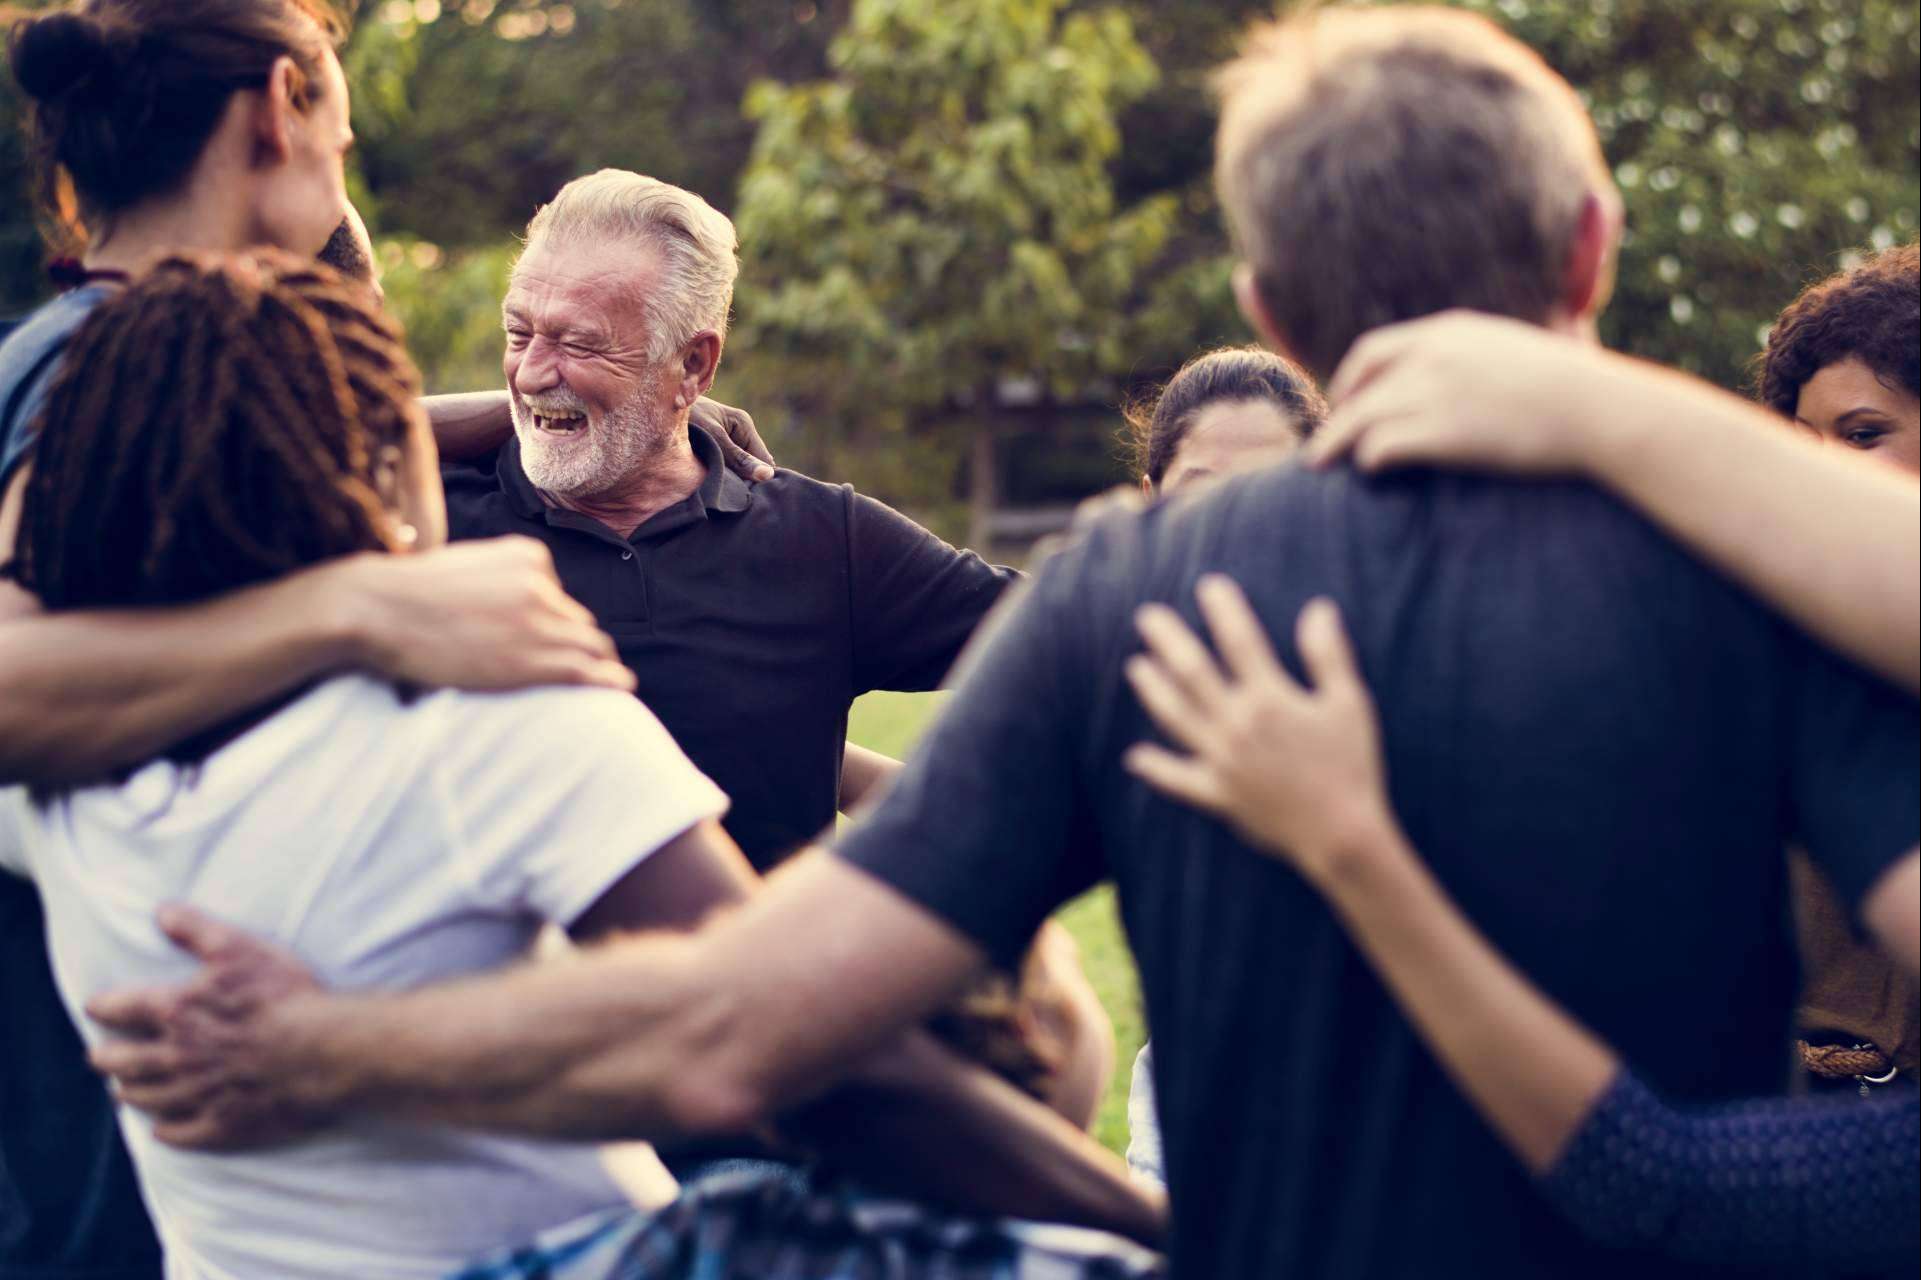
{"x": 1448, "y": 756}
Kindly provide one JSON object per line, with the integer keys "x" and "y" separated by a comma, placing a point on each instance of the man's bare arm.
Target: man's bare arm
{"x": 660, "y": 1037}
{"x": 864, "y": 775}
{"x": 470, "y": 424}
{"x": 1892, "y": 912}
{"x": 82, "y": 694}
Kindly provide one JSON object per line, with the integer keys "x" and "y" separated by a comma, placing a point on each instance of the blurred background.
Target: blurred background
{"x": 972, "y": 228}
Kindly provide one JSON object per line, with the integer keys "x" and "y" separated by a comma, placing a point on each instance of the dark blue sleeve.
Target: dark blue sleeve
{"x": 916, "y": 600}
{"x": 1826, "y": 1184}
{"x": 1856, "y": 785}
{"x": 988, "y": 827}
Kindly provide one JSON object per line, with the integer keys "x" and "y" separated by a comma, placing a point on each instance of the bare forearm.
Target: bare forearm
{"x": 600, "y": 1047}
{"x": 82, "y": 694}
{"x": 863, "y": 775}
{"x": 921, "y": 1120}
{"x": 1531, "y": 1070}
{"x": 470, "y": 425}
{"x": 1827, "y": 537}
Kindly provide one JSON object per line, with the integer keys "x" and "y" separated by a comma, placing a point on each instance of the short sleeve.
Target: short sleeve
{"x": 552, "y": 804}
{"x": 13, "y": 831}
{"x": 916, "y": 600}
{"x": 988, "y": 826}
{"x": 1856, "y": 793}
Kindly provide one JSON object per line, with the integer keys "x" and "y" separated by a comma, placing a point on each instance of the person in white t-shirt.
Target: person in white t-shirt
{"x": 389, "y": 840}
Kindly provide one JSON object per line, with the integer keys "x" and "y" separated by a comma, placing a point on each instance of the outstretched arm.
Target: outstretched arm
{"x": 652, "y": 1036}
{"x": 1298, "y": 771}
{"x": 1825, "y": 536}
{"x": 82, "y": 694}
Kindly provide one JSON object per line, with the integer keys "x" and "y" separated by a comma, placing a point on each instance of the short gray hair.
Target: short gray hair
{"x": 698, "y": 246}
{"x": 1382, "y": 164}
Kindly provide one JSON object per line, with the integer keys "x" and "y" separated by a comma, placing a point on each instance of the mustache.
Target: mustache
{"x": 551, "y": 402}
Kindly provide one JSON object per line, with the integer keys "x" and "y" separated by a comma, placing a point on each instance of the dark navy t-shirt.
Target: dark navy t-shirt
{"x": 70, "y": 1208}
{"x": 1603, "y": 750}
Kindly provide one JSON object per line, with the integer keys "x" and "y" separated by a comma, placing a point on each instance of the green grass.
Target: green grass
{"x": 890, "y": 722}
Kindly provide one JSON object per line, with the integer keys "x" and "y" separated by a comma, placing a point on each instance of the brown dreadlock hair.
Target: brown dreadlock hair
{"x": 220, "y": 422}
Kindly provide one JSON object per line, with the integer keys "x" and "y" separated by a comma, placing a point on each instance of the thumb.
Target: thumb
{"x": 195, "y": 932}
{"x": 1324, "y": 646}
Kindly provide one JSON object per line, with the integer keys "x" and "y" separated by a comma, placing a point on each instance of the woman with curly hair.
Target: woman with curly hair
{"x": 1844, "y": 359}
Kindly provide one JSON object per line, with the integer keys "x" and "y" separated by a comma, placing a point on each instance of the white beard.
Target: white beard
{"x": 598, "y": 456}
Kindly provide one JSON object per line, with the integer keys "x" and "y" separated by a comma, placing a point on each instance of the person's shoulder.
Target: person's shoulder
{"x": 42, "y": 333}
{"x": 564, "y": 720}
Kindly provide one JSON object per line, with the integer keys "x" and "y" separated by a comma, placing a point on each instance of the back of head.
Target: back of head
{"x": 218, "y": 423}
{"x": 698, "y": 245}
{"x": 124, "y": 94}
{"x": 1231, "y": 375}
{"x": 1379, "y": 165}
{"x": 1871, "y": 312}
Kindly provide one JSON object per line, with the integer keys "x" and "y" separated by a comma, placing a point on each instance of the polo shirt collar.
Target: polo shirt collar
{"x": 721, "y": 491}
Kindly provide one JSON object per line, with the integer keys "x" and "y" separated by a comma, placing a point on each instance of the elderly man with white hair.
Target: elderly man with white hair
{"x": 752, "y": 614}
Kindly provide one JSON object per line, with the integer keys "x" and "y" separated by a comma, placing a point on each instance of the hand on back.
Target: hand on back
{"x": 202, "y": 1058}
{"x": 1295, "y": 768}
{"x": 1471, "y": 391}
{"x": 475, "y": 615}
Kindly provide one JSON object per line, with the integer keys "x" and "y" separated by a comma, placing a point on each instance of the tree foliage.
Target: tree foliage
{"x": 940, "y": 217}
{"x": 970, "y": 192}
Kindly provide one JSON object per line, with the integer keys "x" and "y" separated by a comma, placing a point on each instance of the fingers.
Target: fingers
{"x": 140, "y": 1013}
{"x": 1181, "y": 656}
{"x": 198, "y": 933}
{"x": 597, "y": 673}
{"x": 1367, "y": 360}
{"x": 173, "y": 1095}
{"x": 742, "y": 432}
{"x": 1325, "y": 648}
{"x": 1166, "y": 704}
{"x": 743, "y": 463}
{"x": 1180, "y": 778}
{"x": 1237, "y": 631}
{"x": 1331, "y": 440}
{"x": 196, "y": 1133}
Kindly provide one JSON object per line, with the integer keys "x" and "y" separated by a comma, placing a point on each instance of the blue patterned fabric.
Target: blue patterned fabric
{"x": 1825, "y": 1184}
{"x": 758, "y": 1226}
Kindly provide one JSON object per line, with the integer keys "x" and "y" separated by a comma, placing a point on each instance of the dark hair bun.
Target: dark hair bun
{"x": 57, "y": 54}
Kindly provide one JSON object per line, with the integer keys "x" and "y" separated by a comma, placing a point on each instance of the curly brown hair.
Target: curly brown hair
{"x": 1871, "y": 311}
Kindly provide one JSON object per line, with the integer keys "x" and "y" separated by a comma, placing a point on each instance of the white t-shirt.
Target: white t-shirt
{"x": 387, "y": 845}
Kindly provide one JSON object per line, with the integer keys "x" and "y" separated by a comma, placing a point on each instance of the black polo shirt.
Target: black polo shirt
{"x": 753, "y": 615}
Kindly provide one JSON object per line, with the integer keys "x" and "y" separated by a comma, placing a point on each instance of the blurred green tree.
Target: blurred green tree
{"x": 938, "y": 223}
{"x": 1758, "y": 143}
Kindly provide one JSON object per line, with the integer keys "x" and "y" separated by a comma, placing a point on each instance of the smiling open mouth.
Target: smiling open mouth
{"x": 559, "y": 425}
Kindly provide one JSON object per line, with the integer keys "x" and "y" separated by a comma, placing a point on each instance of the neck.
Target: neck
{"x": 142, "y": 236}
{"x": 662, "y": 479}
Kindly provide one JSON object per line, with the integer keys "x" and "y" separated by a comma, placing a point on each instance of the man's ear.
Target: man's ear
{"x": 275, "y": 105}
{"x": 1254, "y": 309}
{"x": 1588, "y": 279}
{"x": 699, "y": 364}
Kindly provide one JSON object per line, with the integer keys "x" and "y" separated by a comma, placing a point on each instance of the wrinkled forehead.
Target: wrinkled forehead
{"x": 583, "y": 284}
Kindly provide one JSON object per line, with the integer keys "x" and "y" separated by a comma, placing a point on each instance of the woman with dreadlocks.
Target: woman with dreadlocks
{"x": 156, "y": 126}
{"x": 230, "y": 422}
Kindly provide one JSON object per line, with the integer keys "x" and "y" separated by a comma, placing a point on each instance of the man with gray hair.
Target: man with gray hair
{"x": 752, "y": 614}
